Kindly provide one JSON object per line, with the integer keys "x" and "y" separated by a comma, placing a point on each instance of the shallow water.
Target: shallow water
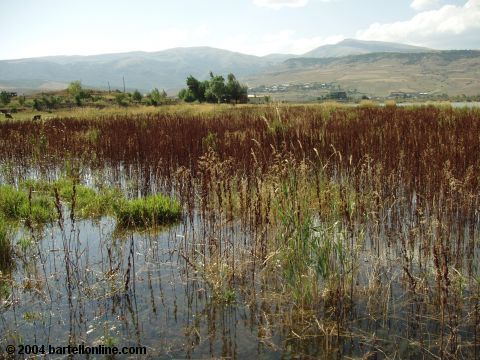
{"x": 390, "y": 295}
{"x": 167, "y": 307}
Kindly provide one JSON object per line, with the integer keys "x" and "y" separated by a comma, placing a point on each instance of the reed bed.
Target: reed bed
{"x": 352, "y": 231}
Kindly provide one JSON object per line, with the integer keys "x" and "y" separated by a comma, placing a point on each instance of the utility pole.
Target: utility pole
{"x": 108, "y": 86}
{"x": 123, "y": 77}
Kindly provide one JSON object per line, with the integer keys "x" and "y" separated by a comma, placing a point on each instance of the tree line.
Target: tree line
{"x": 215, "y": 90}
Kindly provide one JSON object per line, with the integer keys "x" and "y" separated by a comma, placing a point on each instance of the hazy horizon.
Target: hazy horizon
{"x": 188, "y": 47}
{"x": 254, "y": 27}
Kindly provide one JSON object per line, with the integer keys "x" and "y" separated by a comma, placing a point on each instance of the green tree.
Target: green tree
{"x": 137, "y": 97}
{"x": 181, "y": 93}
{"x": 210, "y": 96}
{"x": 75, "y": 88}
{"x": 197, "y": 88}
{"x": 5, "y": 97}
{"x": 156, "y": 97}
{"x": 234, "y": 90}
{"x": 76, "y": 91}
{"x": 37, "y": 104}
{"x": 217, "y": 87}
{"x": 214, "y": 90}
{"x": 188, "y": 96}
{"x": 50, "y": 102}
{"x": 121, "y": 99}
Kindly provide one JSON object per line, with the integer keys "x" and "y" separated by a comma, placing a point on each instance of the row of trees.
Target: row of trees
{"x": 77, "y": 95}
{"x": 155, "y": 97}
{"x": 215, "y": 90}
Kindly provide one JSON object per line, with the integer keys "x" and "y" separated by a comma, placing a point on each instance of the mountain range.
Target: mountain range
{"x": 351, "y": 63}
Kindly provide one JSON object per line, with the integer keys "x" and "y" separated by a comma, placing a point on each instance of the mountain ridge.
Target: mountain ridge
{"x": 349, "y": 47}
{"x": 453, "y": 72}
{"x": 169, "y": 68}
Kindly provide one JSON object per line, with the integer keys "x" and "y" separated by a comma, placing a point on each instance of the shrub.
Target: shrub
{"x": 121, "y": 99}
{"x": 137, "y": 96}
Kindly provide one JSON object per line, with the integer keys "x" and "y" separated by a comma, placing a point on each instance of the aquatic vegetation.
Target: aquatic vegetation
{"x": 12, "y": 202}
{"x": 6, "y": 248}
{"x": 87, "y": 202}
{"x": 325, "y": 229}
{"x": 148, "y": 211}
{"x": 37, "y": 208}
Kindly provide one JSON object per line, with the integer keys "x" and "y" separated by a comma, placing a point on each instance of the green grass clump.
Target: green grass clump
{"x": 35, "y": 202}
{"x": 15, "y": 205}
{"x": 41, "y": 210}
{"x": 92, "y": 204}
{"x": 6, "y": 249}
{"x": 101, "y": 204}
{"x": 12, "y": 202}
{"x": 88, "y": 202}
{"x": 149, "y": 211}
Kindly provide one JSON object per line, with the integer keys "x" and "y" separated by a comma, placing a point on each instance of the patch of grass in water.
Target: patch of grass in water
{"x": 88, "y": 202}
{"x": 6, "y": 248}
{"x": 12, "y": 202}
{"x": 16, "y": 205}
{"x": 41, "y": 210}
{"x": 35, "y": 202}
{"x": 149, "y": 211}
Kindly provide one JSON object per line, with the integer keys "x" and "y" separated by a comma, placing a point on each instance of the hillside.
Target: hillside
{"x": 358, "y": 47}
{"x": 379, "y": 69}
{"x": 142, "y": 70}
{"x": 450, "y": 72}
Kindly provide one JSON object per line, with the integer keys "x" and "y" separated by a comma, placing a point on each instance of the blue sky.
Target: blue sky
{"x": 33, "y": 28}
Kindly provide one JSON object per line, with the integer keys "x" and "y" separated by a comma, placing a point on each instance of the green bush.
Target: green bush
{"x": 149, "y": 211}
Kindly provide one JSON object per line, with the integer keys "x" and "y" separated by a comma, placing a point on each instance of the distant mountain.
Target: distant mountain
{"x": 376, "y": 67}
{"x": 357, "y": 47}
{"x": 451, "y": 72}
{"x": 142, "y": 70}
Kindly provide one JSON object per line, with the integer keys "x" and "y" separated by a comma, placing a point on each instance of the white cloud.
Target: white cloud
{"x": 450, "y": 26}
{"x": 424, "y": 4}
{"x": 277, "y": 4}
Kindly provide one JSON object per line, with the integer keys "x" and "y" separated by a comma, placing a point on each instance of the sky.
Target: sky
{"x": 32, "y": 28}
